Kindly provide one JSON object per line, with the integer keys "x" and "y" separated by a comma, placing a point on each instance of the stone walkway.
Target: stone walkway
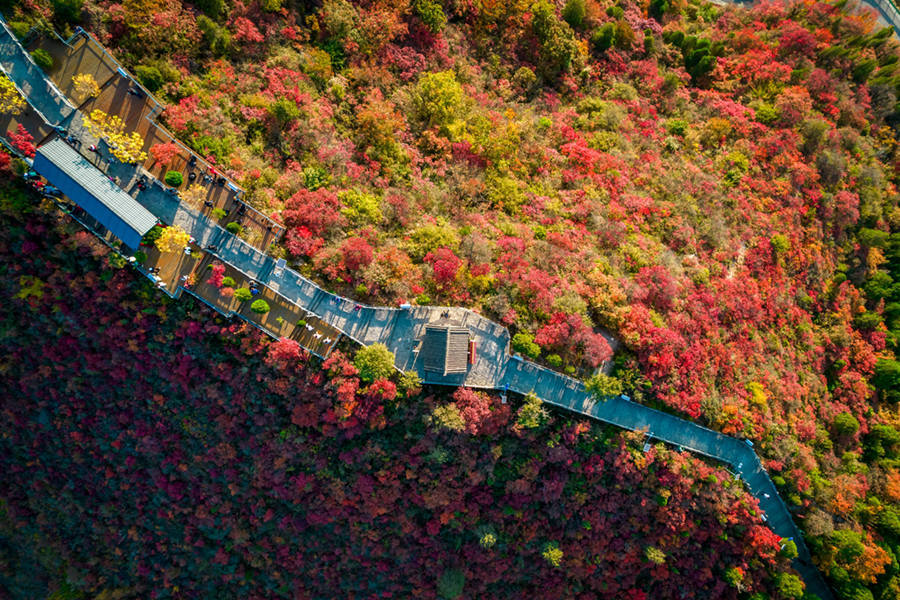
{"x": 399, "y": 328}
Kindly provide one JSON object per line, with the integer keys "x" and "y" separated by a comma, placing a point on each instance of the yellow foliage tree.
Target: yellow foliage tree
{"x": 11, "y": 101}
{"x": 127, "y": 147}
{"x": 194, "y": 196}
{"x": 172, "y": 239}
{"x": 85, "y": 86}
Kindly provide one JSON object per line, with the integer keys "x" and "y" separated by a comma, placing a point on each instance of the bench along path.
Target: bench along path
{"x": 399, "y": 328}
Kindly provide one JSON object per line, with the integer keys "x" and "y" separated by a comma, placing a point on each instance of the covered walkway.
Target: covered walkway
{"x": 84, "y": 184}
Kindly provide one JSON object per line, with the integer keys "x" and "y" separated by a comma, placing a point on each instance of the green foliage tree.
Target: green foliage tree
{"x": 451, "y": 583}
{"x": 882, "y": 441}
{"x": 813, "y": 132}
{"x": 42, "y": 59}
{"x": 503, "y": 191}
{"x": 233, "y": 227}
{"x": 243, "y": 294}
{"x": 150, "y": 77}
{"x": 658, "y": 8}
{"x": 889, "y": 522}
{"x": 698, "y": 53}
{"x": 315, "y": 177}
{"x": 879, "y": 285}
{"x": 523, "y": 343}
{"x": 649, "y": 42}
{"x": 873, "y": 238}
{"x": 574, "y": 13}
{"x": 603, "y": 386}
{"x": 845, "y": 424}
{"x": 525, "y": 80}
{"x": 151, "y": 236}
{"x": 789, "y": 586}
{"x": 448, "y": 416}
{"x": 532, "y": 413}
{"x": 213, "y": 8}
{"x": 431, "y": 13}
{"x": 374, "y": 362}
{"x": 216, "y": 37}
{"x": 604, "y": 37}
{"x": 863, "y": 69}
{"x": 285, "y": 111}
{"x": 67, "y": 11}
{"x": 780, "y": 244}
{"x": 360, "y": 207}
{"x": 734, "y": 577}
{"x": 430, "y": 237}
{"x": 174, "y": 178}
{"x": 788, "y": 549}
{"x": 409, "y": 382}
{"x": 559, "y": 48}
{"x": 438, "y": 98}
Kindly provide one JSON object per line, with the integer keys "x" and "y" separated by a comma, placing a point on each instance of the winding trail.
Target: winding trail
{"x": 399, "y": 328}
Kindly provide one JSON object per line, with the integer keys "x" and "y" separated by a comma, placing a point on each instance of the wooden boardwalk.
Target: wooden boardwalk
{"x": 330, "y": 315}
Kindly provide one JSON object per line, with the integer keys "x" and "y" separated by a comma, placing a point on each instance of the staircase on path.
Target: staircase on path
{"x": 399, "y": 328}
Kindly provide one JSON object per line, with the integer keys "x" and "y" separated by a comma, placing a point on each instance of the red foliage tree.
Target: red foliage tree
{"x": 474, "y": 407}
{"x": 358, "y": 254}
{"x": 22, "y": 141}
{"x": 445, "y": 265}
{"x": 319, "y": 212}
{"x": 163, "y": 154}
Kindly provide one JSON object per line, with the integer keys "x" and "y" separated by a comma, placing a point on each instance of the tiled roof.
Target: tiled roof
{"x": 445, "y": 349}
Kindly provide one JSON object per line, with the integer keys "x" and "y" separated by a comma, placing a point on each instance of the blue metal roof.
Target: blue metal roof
{"x": 89, "y": 188}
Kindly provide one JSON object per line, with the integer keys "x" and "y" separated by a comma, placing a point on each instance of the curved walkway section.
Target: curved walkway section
{"x": 401, "y": 328}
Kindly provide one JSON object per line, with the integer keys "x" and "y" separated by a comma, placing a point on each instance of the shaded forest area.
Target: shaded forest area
{"x": 152, "y": 450}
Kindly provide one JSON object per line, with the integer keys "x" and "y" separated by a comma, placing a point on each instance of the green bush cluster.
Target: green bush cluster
{"x": 174, "y": 178}
{"x": 374, "y": 362}
{"x": 42, "y": 59}
{"x": 523, "y": 343}
{"x": 260, "y": 306}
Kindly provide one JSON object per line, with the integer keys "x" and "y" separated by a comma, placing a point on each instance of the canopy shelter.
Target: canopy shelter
{"x": 445, "y": 349}
{"x": 89, "y": 188}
